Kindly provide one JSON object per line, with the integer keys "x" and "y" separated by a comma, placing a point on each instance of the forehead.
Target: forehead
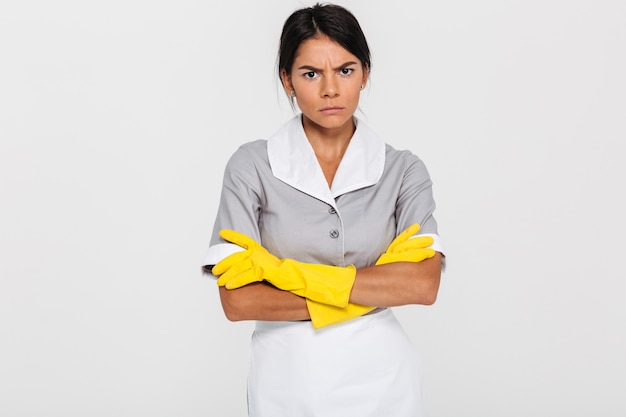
{"x": 322, "y": 49}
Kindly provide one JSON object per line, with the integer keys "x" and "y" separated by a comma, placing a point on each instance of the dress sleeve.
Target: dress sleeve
{"x": 239, "y": 208}
{"x": 415, "y": 202}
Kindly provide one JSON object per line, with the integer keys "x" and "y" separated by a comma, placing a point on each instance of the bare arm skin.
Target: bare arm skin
{"x": 387, "y": 285}
{"x": 398, "y": 283}
{"x": 262, "y": 301}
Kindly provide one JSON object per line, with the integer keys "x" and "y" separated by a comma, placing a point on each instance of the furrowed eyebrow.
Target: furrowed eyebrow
{"x": 310, "y": 68}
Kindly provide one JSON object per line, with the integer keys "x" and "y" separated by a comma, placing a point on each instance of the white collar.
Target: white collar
{"x": 293, "y": 161}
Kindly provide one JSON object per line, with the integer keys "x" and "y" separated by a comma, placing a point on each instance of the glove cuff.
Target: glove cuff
{"x": 323, "y": 315}
{"x": 323, "y": 283}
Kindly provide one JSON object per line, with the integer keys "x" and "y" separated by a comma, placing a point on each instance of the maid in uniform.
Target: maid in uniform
{"x": 320, "y": 229}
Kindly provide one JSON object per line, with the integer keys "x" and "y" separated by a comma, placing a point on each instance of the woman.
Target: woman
{"x": 314, "y": 240}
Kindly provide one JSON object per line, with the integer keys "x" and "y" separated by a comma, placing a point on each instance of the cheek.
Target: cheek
{"x": 306, "y": 93}
{"x": 356, "y": 94}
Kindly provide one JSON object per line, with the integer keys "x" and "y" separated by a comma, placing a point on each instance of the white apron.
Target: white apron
{"x": 364, "y": 367}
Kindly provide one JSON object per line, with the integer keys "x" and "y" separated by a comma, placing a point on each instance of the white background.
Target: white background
{"x": 117, "y": 118}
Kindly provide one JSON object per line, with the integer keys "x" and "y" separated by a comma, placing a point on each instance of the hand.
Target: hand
{"x": 405, "y": 249}
{"x": 243, "y": 268}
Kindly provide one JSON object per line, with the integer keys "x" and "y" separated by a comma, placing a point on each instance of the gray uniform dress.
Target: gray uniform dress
{"x": 275, "y": 192}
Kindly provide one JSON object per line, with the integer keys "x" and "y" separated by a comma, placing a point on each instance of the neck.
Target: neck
{"x": 329, "y": 144}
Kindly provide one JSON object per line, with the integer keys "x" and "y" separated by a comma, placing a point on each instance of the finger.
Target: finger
{"x": 404, "y": 236}
{"x": 233, "y": 271}
{"x": 414, "y": 243}
{"x": 242, "y": 279}
{"x": 227, "y": 263}
{"x": 416, "y": 255}
{"x": 238, "y": 238}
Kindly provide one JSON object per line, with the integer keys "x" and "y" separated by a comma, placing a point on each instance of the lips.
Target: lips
{"x": 331, "y": 110}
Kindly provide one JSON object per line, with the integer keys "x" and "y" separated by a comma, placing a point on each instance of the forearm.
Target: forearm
{"x": 398, "y": 283}
{"x": 261, "y": 301}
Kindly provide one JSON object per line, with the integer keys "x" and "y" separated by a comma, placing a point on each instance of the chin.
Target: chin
{"x": 330, "y": 122}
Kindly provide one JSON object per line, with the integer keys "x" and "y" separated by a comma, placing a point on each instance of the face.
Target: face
{"x": 327, "y": 81}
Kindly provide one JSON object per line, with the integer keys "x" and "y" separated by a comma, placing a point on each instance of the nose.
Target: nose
{"x": 329, "y": 88}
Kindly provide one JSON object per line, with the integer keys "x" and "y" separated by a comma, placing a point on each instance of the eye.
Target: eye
{"x": 310, "y": 75}
{"x": 346, "y": 71}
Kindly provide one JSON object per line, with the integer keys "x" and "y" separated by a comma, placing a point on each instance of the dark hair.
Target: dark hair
{"x": 330, "y": 20}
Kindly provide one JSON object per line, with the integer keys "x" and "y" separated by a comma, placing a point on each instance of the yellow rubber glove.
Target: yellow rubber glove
{"x": 401, "y": 249}
{"x": 323, "y": 315}
{"x": 405, "y": 249}
{"x": 323, "y": 283}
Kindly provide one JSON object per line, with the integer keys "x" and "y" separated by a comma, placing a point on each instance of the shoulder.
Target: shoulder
{"x": 247, "y": 164}
{"x": 254, "y": 150}
{"x": 249, "y": 154}
{"x": 402, "y": 159}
